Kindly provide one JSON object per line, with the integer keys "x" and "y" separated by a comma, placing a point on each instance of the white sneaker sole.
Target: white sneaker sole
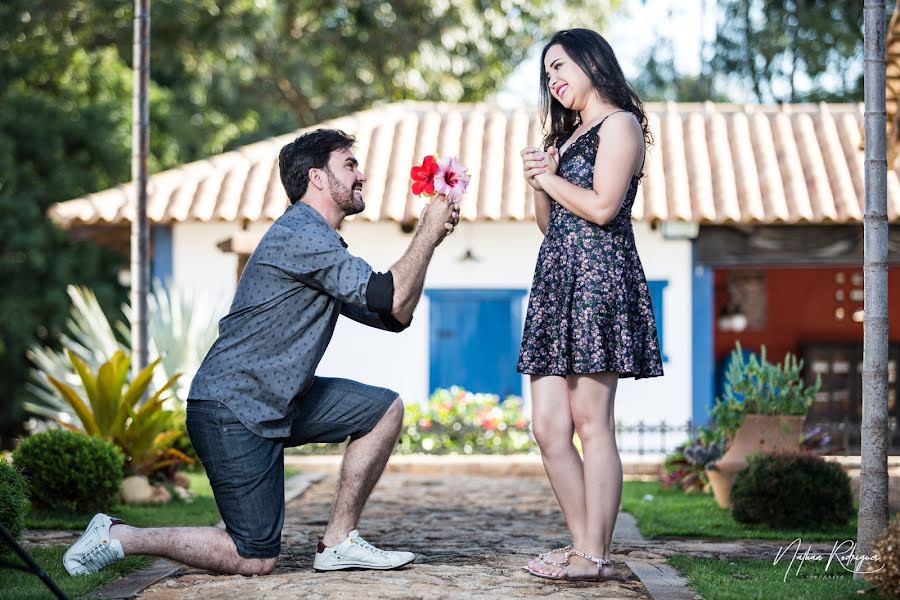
{"x": 361, "y": 567}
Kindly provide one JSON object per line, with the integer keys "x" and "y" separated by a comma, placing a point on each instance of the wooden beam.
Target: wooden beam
{"x": 242, "y": 242}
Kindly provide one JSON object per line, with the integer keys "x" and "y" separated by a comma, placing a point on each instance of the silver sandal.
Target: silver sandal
{"x": 600, "y": 562}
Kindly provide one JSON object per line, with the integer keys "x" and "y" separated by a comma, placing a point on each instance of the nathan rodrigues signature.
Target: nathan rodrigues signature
{"x": 842, "y": 555}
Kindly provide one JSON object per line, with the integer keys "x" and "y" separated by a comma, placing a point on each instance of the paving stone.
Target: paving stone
{"x": 471, "y": 535}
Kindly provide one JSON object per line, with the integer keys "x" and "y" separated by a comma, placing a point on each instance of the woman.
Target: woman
{"x": 590, "y": 320}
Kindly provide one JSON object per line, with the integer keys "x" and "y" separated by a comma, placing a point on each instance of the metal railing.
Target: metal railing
{"x": 652, "y": 438}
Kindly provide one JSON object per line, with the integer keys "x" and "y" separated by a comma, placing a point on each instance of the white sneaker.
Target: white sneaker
{"x": 94, "y": 549}
{"x": 356, "y": 553}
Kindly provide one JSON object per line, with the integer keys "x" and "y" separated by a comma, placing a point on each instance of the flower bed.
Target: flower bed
{"x": 455, "y": 421}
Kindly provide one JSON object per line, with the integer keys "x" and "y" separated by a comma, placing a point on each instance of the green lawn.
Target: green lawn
{"x": 717, "y": 579}
{"x": 16, "y": 585}
{"x": 199, "y": 511}
{"x": 672, "y": 512}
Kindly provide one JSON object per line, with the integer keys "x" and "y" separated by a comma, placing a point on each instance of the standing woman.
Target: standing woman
{"x": 590, "y": 320}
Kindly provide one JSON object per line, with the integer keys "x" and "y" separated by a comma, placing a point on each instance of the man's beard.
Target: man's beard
{"x": 343, "y": 195}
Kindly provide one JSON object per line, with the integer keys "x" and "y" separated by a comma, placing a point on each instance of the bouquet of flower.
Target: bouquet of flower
{"x": 447, "y": 176}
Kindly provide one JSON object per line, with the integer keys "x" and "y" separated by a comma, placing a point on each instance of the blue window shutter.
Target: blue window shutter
{"x": 656, "y": 296}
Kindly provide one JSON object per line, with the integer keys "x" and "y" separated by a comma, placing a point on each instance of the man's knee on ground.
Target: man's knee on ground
{"x": 256, "y": 566}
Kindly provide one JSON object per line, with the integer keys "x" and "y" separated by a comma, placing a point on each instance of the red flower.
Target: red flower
{"x": 423, "y": 176}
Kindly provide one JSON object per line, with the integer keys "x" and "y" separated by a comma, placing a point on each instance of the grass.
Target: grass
{"x": 672, "y": 512}
{"x": 740, "y": 579}
{"x": 200, "y": 511}
{"x": 17, "y": 585}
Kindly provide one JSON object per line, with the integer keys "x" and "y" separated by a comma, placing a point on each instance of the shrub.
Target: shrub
{"x": 791, "y": 490}
{"x": 70, "y": 471}
{"x": 13, "y": 499}
{"x": 887, "y": 549}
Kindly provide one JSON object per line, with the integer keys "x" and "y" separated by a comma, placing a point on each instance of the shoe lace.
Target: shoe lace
{"x": 364, "y": 544}
{"x": 99, "y": 556}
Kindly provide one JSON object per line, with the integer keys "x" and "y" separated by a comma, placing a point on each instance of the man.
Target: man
{"x": 256, "y": 391}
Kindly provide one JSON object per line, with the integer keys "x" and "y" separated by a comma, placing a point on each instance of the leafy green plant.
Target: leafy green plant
{"x": 456, "y": 421}
{"x": 182, "y": 327}
{"x": 70, "y": 471}
{"x": 686, "y": 466}
{"x": 146, "y": 433}
{"x": 756, "y": 386}
{"x": 791, "y": 490}
{"x": 14, "y": 493}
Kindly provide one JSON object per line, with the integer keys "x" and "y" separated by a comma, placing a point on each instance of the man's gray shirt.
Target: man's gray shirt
{"x": 295, "y": 285}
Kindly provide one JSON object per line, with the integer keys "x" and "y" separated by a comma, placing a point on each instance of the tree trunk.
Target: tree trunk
{"x": 140, "y": 137}
{"x": 873, "y": 482}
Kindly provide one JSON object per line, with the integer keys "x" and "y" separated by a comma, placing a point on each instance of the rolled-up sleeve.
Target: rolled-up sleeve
{"x": 383, "y": 321}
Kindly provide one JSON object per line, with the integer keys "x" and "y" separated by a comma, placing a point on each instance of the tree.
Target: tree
{"x": 873, "y": 480}
{"x": 792, "y": 50}
{"x": 224, "y": 73}
{"x": 661, "y": 81}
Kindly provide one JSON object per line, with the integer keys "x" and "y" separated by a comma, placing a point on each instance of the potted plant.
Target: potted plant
{"x": 761, "y": 410}
{"x": 686, "y": 467}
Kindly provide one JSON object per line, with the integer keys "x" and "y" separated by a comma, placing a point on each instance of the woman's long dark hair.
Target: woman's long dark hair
{"x": 596, "y": 58}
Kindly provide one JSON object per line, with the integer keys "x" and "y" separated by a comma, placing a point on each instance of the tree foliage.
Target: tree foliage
{"x": 767, "y": 51}
{"x": 792, "y": 50}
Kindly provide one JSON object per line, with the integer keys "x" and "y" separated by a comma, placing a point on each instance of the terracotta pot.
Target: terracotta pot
{"x": 758, "y": 433}
{"x": 137, "y": 490}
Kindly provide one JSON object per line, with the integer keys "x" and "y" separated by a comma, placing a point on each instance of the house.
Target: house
{"x": 748, "y": 222}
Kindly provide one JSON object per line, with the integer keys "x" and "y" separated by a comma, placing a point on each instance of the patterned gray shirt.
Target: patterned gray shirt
{"x": 295, "y": 285}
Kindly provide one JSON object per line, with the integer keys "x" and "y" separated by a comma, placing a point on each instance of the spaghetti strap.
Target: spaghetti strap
{"x": 597, "y": 126}
{"x": 643, "y": 157}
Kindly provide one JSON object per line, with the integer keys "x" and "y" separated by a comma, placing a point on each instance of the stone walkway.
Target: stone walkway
{"x": 471, "y": 528}
{"x": 471, "y": 535}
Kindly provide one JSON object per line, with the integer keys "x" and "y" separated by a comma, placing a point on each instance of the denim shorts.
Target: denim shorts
{"x": 246, "y": 471}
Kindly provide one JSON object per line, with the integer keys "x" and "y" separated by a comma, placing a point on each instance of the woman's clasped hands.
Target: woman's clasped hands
{"x": 537, "y": 162}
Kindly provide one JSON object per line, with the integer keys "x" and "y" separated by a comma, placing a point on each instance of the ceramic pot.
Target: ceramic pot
{"x": 758, "y": 433}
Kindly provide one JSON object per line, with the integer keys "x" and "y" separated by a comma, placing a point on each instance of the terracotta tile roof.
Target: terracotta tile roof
{"x": 711, "y": 163}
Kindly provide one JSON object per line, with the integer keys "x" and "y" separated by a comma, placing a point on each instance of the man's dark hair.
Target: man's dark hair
{"x": 309, "y": 151}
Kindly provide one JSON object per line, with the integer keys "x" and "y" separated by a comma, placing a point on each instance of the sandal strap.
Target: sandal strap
{"x": 594, "y": 559}
{"x": 566, "y": 551}
{"x": 563, "y": 550}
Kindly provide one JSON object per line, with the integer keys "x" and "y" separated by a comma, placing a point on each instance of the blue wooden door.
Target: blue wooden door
{"x": 474, "y": 340}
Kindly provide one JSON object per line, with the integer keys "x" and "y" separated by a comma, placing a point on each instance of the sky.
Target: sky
{"x": 631, "y": 33}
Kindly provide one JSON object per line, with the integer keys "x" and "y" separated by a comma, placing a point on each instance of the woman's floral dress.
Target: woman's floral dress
{"x": 590, "y": 308}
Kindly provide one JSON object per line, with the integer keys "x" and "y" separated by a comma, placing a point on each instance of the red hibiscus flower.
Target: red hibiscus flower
{"x": 423, "y": 176}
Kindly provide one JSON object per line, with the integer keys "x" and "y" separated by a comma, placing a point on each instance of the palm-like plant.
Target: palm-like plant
{"x": 182, "y": 326}
{"x": 145, "y": 433}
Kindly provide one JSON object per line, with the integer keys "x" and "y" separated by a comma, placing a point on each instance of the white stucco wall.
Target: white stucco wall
{"x": 198, "y": 265}
{"x": 505, "y": 255}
